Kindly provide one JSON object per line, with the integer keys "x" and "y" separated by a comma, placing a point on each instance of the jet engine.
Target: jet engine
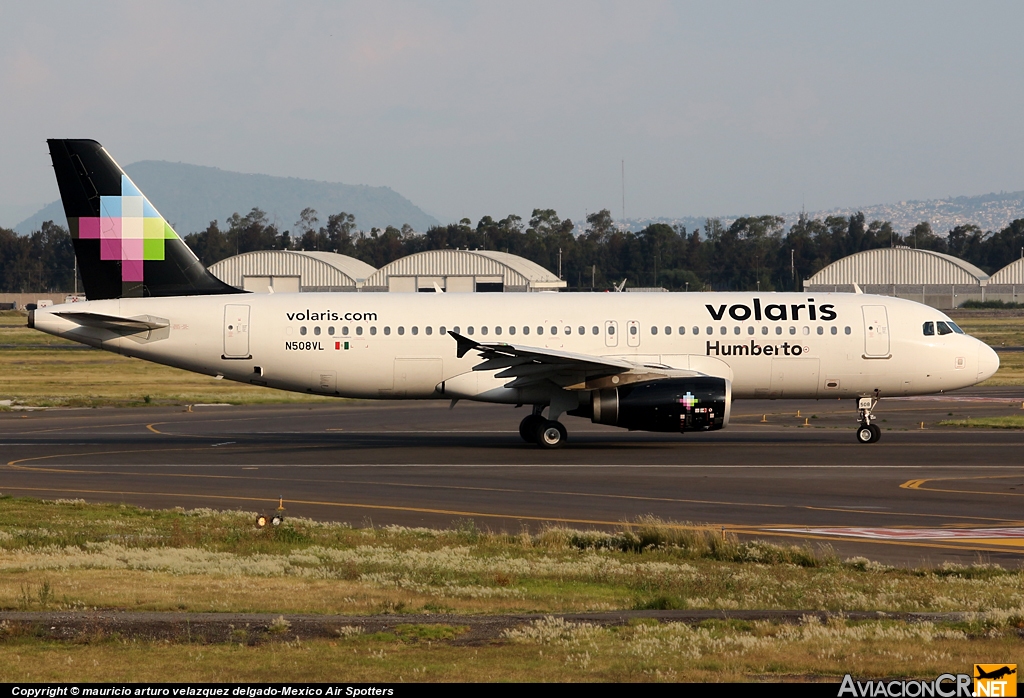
{"x": 700, "y": 403}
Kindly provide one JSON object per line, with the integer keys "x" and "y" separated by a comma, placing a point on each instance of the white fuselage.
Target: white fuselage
{"x": 395, "y": 345}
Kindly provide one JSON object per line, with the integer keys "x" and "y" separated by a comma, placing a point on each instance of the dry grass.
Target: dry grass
{"x": 101, "y": 556}
{"x": 1014, "y": 421}
{"x": 547, "y": 650}
{"x": 998, "y": 328}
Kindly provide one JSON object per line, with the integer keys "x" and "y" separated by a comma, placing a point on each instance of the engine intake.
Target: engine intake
{"x": 672, "y": 404}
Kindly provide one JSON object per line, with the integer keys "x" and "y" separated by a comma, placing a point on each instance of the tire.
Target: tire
{"x": 261, "y": 521}
{"x": 529, "y": 426}
{"x": 876, "y": 433}
{"x": 277, "y": 520}
{"x": 551, "y": 434}
{"x": 865, "y": 434}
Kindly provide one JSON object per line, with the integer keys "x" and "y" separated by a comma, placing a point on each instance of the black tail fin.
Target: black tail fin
{"x": 124, "y": 247}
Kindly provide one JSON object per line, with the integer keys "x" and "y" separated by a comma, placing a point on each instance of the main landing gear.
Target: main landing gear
{"x": 546, "y": 433}
{"x": 867, "y": 433}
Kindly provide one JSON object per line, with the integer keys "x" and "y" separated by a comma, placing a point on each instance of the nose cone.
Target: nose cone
{"x": 988, "y": 362}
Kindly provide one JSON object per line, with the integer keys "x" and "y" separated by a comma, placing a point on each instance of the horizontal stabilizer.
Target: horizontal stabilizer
{"x": 121, "y": 325}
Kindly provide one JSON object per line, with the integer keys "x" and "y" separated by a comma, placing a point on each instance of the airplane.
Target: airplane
{"x": 666, "y": 362}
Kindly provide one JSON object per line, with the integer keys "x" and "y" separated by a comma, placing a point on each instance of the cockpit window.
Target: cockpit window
{"x": 929, "y": 329}
{"x": 954, "y": 327}
{"x": 943, "y": 328}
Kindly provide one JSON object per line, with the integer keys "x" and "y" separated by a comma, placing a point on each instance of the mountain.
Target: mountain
{"x": 190, "y": 196}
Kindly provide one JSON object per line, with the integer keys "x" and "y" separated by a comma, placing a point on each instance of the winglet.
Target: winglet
{"x": 465, "y": 344}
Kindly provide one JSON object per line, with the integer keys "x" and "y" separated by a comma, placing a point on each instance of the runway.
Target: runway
{"x": 919, "y": 496}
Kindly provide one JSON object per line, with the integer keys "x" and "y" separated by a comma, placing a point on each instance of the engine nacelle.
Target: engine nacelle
{"x": 701, "y": 403}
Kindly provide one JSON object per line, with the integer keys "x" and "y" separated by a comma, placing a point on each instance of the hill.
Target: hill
{"x": 190, "y": 196}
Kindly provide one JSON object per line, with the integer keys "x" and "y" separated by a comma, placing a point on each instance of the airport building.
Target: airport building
{"x": 1007, "y": 284}
{"x": 932, "y": 278}
{"x": 463, "y": 271}
{"x": 292, "y": 271}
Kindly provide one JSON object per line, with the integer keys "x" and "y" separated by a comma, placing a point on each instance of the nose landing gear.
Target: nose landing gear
{"x": 867, "y": 433}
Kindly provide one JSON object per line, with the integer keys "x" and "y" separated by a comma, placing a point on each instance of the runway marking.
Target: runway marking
{"x": 966, "y": 534}
{"x": 560, "y": 493}
{"x": 919, "y": 485}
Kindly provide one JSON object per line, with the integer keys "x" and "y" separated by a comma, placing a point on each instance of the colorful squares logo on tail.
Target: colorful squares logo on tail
{"x": 129, "y": 229}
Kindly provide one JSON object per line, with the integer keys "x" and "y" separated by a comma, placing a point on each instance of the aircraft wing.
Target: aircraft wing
{"x": 526, "y": 365}
{"x": 122, "y": 325}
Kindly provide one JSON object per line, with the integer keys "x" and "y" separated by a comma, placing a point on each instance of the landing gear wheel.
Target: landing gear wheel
{"x": 876, "y": 433}
{"x": 551, "y": 434}
{"x": 529, "y": 426}
{"x": 261, "y": 521}
{"x": 865, "y": 434}
{"x": 277, "y": 520}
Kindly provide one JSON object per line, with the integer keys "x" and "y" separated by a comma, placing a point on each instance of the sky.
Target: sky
{"x": 490, "y": 108}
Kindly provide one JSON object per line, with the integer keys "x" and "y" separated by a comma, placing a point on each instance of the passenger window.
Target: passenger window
{"x": 943, "y": 328}
{"x": 583, "y": 330}
{"x": 764, "y": 329}
{"x": 387, "y": 330}
{"x": 512, "y": 329}
{"x": 540, "y": 330}
{"x": 526, "y": 330}
{"x": 736, "y": 330}
{"x": 778, "y": 329}
{"x": 497, "y": 329}
{"x": 710, "y": 330}
{"x": 668, "y": 330}
{"x": 929, "y": 329}
{"x": 441, "y": 330}
{"x": 401, "y": 330}
{"x": 611, "y": 329}
{"x": 316, "y": 330}
{"x": 792, "y": 330}
{"x": 302, "y": 330}
{"x": 344, "y": 330}
{"x": 330, "y": 330}
{"x": 654, "y": 330}
{"x": 595, "y": 330}
{"x": 456, "y": 330}
{"x": 415, "y": 330}
{"x": 750, "y": 329}
{"x": 632, "y": 330}
{"x": 483, "y": 330}
{"x": 429, "y": 330}
{"x": 554, "y": 330}
{"x": 682, "y": 330}
{"x": 847, "y": 329}
{"x": 821, "y": 330}
{"x": 722, "y": 330}
{"x": 835, "y": 330}
{"x": 373, "y": 330}
{"x": 469, "y": 330}
{"x": 807, "y": 330}
{"x": 568, "y": 330}
{"x": 359, "y": 330}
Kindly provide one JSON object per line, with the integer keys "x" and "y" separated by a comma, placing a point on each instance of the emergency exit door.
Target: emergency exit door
{"x": 236, "y": 332}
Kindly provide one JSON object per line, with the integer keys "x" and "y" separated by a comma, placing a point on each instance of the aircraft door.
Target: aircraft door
{"x": 236, "y": 332}
{"x": 611, "y": 333}
{"x": 633, "y": 333}
{"x": 876, "y": 331}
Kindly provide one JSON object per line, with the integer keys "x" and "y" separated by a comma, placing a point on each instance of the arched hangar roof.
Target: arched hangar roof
{"x": 1011, "y": 274}
{"x": 515, "y": 271}
{"x": 320, "y": 270}
{"x": 900, "y": 266}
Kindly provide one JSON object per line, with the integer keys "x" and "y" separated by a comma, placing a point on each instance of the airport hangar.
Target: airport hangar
{"x": 453, "y": 271}
{"x": 939, "y": 280}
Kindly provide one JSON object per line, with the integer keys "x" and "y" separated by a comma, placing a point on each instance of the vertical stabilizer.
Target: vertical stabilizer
{"x": 124, "y": 246}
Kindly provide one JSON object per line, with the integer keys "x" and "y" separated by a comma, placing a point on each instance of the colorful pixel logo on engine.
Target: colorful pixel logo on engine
{"x": 130, "y": 230}
{"x": 688, "y": 400}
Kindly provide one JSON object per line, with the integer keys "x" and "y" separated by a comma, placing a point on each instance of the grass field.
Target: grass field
{"x": 71, "y": 556}
{"x": 37, "y": 369}
{"x": 1008, "y": 422}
